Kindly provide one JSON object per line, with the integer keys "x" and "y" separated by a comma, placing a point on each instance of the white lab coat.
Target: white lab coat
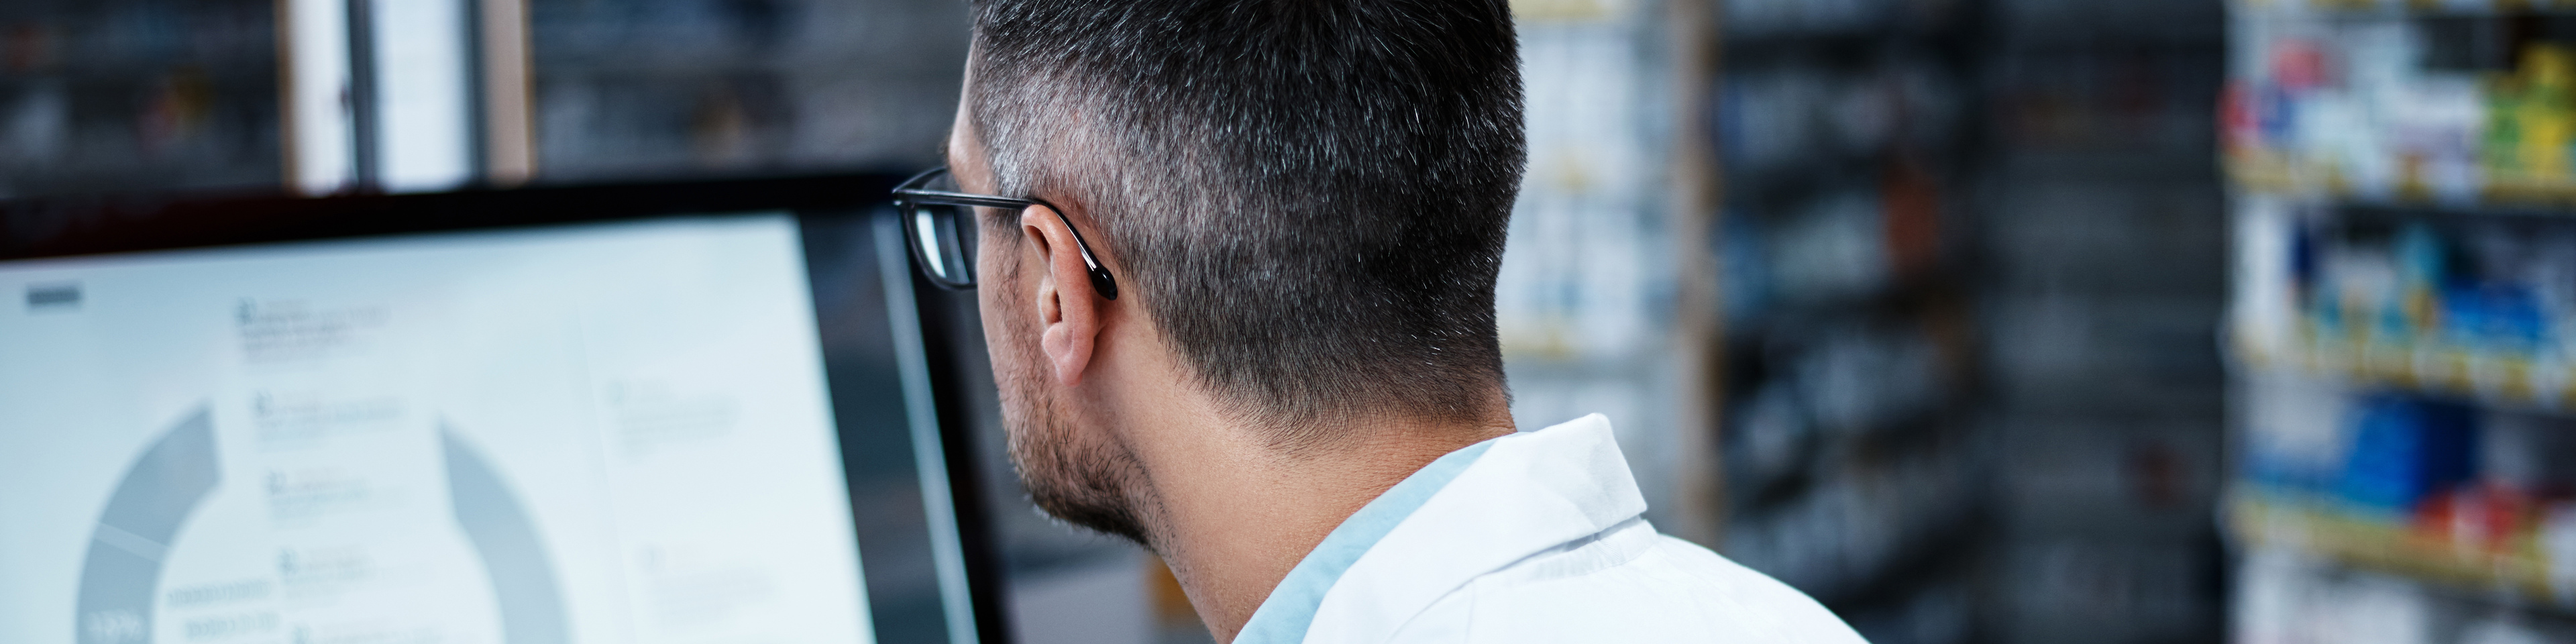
{"x": 1532, "y": 537}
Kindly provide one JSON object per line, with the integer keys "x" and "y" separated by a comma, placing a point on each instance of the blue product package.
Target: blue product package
{"x": 2404, "y": 449}
{"x": 2494, "y": 316}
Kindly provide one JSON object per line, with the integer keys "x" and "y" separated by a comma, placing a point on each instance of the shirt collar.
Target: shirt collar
{"x": 1471, "y": 512}
{"x": 1283, "y": 617}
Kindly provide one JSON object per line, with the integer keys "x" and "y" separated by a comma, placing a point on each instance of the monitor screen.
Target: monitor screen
{"x": 596, "y": 433}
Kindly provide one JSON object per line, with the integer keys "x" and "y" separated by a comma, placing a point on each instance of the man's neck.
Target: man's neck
{"x": 1233, "y": 514}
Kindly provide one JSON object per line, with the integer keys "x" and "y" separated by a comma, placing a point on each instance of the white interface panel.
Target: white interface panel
{"x": 597, "y": 434}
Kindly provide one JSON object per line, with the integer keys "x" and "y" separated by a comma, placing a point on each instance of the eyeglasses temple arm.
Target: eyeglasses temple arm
{"x": 941, "y": 197}
{"x": 1100, "y": 279}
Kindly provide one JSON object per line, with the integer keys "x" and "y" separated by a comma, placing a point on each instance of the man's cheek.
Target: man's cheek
{"x": 993, "y": 300}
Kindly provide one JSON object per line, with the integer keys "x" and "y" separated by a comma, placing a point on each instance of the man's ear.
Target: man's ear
{"x": 1069, "y": 309}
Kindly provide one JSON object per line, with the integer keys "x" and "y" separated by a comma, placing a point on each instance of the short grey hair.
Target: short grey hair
{"x": 1308, "y": 197}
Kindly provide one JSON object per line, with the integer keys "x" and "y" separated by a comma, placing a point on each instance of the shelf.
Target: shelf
{"x": 2268, "y": 173}
{"x": 2432, "y": 368}
{"x": 2518, "y": 568}
{"x": 2368, "y": 8}
{"x": 1809, "y": 42}
{"x": 1846, "y": 547}
{"x": 1843, "y": 454}
{"x": 1921, "y": 295}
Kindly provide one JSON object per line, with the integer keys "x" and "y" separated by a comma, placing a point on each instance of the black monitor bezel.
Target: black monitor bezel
{"x": 91, "y": 225}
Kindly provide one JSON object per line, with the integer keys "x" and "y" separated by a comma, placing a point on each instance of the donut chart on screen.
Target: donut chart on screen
{"x": 121, "y": 574}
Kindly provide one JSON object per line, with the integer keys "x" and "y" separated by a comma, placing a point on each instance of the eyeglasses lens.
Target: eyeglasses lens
{"x": 943, "y": 236}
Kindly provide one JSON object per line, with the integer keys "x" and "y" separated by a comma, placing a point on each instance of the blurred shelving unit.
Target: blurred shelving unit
{"x": 2101, "y": 266}
{"x": 125, "y": 95}
{"x": 1602, "y": 299}
{"x": 1852, "y": 461}
{"x": 2404, "y": 458}
{"x": 1970, "y": 252}
{"x": 129, "y": 97}
{"x": 629, "y": 89}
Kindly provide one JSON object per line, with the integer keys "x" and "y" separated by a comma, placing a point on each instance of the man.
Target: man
{"x": 1236, "y": 261}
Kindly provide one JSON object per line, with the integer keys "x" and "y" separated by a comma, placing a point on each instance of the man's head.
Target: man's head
{"x": 1306, "y": 200}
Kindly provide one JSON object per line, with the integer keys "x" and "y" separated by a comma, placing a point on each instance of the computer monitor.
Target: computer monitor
{"x": 690, "y": 413}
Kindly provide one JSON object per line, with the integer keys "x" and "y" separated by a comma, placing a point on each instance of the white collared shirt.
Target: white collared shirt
{"x": 1532, "y": 537}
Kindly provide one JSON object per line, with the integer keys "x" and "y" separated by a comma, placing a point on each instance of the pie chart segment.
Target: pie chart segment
{"x": 122, "y": 572}
{"x": 513, "y": 556}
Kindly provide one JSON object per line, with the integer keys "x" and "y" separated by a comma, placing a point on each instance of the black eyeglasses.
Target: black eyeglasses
{"x": 940, "y": 227}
